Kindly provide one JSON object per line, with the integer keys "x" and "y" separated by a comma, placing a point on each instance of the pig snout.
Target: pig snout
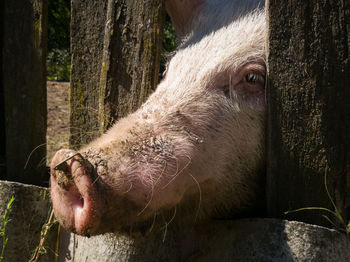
{"x": 73, "y": 192}
{"x": 117, "y": 187}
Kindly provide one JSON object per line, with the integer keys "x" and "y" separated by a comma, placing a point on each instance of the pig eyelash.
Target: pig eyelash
{"x": 250, "y": 78}
{"x": 254, "y": 78}
{"x": 251, "y": 81}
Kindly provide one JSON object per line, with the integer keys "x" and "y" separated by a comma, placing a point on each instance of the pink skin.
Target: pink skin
{"x": 146, "y": 183}
{"x": 192, "y": 151}
{"x": 77, "y": 202}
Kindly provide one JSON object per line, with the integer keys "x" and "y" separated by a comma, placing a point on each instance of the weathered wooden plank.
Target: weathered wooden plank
{"x": 2, "y": 107}
{"x": 309, "y": 109}
{"x": 87, "y": 32}
{"x": 115, "y": 65}
{"x": 24, "y": 54}
{"x": 131, "y": 59}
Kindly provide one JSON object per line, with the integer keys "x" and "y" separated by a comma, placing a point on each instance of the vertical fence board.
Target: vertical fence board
{"x": 87, "y": 32}
{"x": 24, "y": 83}
{"x": 123, "y": 51}
{"x": 309, "y": 109}
{"x": 130, "y": 66}
{"x": 2, "y": 101}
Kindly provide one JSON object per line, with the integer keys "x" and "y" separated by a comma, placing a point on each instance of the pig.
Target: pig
{"x": 194, "y": 151}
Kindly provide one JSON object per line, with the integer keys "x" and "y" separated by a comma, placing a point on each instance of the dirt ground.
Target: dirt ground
{"x": 57, "y": 117}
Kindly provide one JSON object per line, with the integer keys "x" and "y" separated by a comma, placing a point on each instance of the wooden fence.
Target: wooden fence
{"x": 308, "y": 47}
{"x": 23, "y": 91}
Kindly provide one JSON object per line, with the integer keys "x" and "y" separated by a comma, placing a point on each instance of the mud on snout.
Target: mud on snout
{"x": 92, "y": 194}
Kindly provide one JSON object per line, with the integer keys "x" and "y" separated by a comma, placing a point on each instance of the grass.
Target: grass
{"x": 40, "y": 249}
{"x": 6, "y": 220}
{"x": 345, "y": 225}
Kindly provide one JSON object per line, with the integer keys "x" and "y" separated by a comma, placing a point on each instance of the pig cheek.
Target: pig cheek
{"x": 155, "y": 187}
{"x": 151, "y": 199}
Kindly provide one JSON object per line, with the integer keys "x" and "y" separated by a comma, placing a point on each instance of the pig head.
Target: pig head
{"x": 193, "y": 151}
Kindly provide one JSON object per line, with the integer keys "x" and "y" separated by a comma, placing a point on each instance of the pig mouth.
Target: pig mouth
{"x": 74, "y": 193}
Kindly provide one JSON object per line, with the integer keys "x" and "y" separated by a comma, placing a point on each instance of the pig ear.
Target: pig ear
{"x": 181, "y": 13}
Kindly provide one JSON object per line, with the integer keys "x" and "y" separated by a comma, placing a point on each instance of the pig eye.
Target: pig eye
{"x": 254, "y": 78}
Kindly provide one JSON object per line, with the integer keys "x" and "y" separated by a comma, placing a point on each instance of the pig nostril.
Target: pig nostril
{"x": 78, "y": 202}
{"x": 81, "y": 201}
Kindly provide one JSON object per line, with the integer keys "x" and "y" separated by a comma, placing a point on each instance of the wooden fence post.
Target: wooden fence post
{"x": 131, "y": 57}
{"x": 309, "y": 109}
{"x": 87, "y": 32}
{"x": 24, "y": 38}
{"x": 2, "y": 101}
{"x": 116, "y": 52}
